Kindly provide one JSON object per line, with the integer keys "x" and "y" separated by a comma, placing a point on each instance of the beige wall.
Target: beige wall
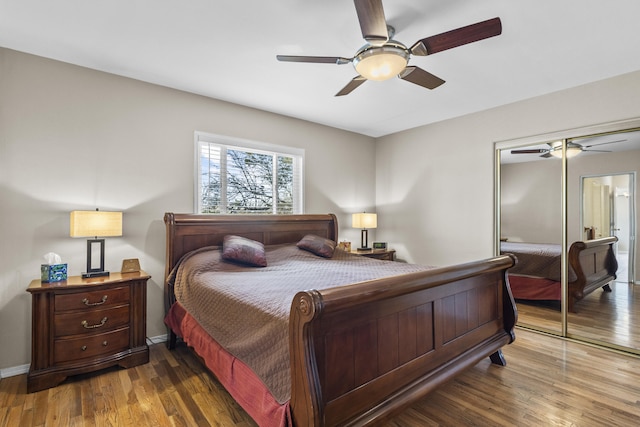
{"x": 73, "y": 138}
{"x": 531, "y": 195}
{"x": 435, "y": 184}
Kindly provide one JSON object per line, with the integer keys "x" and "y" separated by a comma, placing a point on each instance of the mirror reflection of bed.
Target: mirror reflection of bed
{"x": 530, "y": 193}
{"x": 537, "y": 276}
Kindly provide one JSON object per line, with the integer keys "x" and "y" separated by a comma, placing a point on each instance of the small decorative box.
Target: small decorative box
{"x": 53, "y": 272}
{"x": 344, "y": 245}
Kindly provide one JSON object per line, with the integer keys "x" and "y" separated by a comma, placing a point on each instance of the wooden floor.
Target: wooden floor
{"x": 547, "y": 381}
{"x": 607, "y": 317}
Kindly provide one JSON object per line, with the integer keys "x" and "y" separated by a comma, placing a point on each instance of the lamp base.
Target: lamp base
{"x": 94, "y": 274}
{"x": 364, "y": 241}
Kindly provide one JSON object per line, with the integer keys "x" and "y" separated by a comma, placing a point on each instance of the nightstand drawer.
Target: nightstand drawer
{"x": 91, "y": 299}
{"x": 89, "y": 322}
{"x": 68, "y": 350}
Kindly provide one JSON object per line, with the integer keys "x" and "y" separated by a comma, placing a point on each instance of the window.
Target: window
{"x": 243, "y": 177}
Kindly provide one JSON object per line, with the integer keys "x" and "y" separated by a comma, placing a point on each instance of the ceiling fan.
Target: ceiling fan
{"x": 573, "y": 149}
{"x": 382, "y": 58}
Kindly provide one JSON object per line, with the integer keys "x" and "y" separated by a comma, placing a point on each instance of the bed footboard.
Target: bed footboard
{"x": 361, "y": 353}
{"x": 595, "y": 266}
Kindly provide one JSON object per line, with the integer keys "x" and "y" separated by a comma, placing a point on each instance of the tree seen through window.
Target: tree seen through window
{"x": 242, "y": 181}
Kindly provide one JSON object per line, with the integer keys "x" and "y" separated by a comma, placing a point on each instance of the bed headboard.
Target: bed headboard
{"x": 186, "y": 232}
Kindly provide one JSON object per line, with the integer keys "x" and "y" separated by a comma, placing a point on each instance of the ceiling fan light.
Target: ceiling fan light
{"x": 381, "y": 63}
{"x": 573, "y": 150}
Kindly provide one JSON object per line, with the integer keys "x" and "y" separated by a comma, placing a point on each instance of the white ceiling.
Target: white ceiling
{"x": 227, "y": 49}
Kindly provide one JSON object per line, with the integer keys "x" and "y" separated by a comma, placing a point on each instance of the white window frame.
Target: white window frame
{"x": 226, "y": 142}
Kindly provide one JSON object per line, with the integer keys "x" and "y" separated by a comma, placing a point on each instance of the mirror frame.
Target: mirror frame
{"x": 564, "y": 136}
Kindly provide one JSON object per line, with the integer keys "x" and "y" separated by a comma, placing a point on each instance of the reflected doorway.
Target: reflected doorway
{"x": 607, "y": 210}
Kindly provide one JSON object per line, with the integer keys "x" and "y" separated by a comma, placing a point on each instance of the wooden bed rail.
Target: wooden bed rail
{"x": 361, "y": 353}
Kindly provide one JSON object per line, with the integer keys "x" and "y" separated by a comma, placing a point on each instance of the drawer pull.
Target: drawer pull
{"x": 104, "y": 343}
{"x": 86, "y": 302}
{"x": 86, "y": 324}
{"x": 83, "y": 348}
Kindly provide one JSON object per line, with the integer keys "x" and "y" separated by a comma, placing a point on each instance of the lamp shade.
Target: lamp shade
{"x": 95, "y": 224}
{"x": 364, "y": 220}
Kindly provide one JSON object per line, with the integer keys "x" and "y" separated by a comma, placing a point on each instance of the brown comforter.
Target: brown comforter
{"x": 246, "y": 309}
{"x": 536, "y": 260}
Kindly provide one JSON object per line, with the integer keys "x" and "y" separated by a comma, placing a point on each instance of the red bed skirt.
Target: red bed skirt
{"x": 534, "y": 288}
{"x": 236, "y": 377}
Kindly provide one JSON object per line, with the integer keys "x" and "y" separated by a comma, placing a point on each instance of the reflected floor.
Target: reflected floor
{"x": 610, "y": 317}
{"x": 623, "y": 266}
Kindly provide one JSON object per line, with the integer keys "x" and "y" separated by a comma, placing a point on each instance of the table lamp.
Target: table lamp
{"x": 95, "y": 224}
{"x": 364, "y": 221}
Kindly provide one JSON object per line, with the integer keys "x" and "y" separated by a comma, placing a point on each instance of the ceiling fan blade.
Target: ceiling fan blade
{"x": 458, "y": 37}
{"x": 316, "y": 59}
{"x": 597, "y": 151}
{"x": 357, "y": 81}
{"x": 420, "y": 77}
{"x": 547, "y": 155}
{"x": 532, "y": 151}
{"x": 372, "y": 21}
{"x": 604, "y": 143}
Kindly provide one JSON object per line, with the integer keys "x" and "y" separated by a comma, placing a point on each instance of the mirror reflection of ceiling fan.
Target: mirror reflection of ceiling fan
{"x": 573, "y": 149}
{"x": 382, "y": 58}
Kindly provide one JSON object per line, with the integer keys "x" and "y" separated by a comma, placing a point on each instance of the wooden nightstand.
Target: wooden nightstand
{"x": 383, "y": 254}
{"x": 83, "y": 325}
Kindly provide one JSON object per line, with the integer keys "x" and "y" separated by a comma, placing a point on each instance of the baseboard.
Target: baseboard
{"x": 23, "y": 369}
{"x": 13, "y": 371}
{"x": 157, "y": 339}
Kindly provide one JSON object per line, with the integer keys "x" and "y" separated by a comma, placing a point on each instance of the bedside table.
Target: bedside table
{"x": 383, "y": 254}
{"x": 83, "y": 325}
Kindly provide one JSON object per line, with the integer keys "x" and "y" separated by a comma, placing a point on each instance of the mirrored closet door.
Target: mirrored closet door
{"x": 577, "y": 188}
{"x": 602, "y": 192}
{"x": 531, "y": 228}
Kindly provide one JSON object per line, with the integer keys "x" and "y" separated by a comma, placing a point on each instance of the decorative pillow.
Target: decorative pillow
{"x": 243, "y": 250}
{"x": 317, "y": 245}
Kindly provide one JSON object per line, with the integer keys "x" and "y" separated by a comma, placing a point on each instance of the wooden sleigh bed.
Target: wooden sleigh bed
{"x": 359, "y": 353}
{"x": 592, "y": 265}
